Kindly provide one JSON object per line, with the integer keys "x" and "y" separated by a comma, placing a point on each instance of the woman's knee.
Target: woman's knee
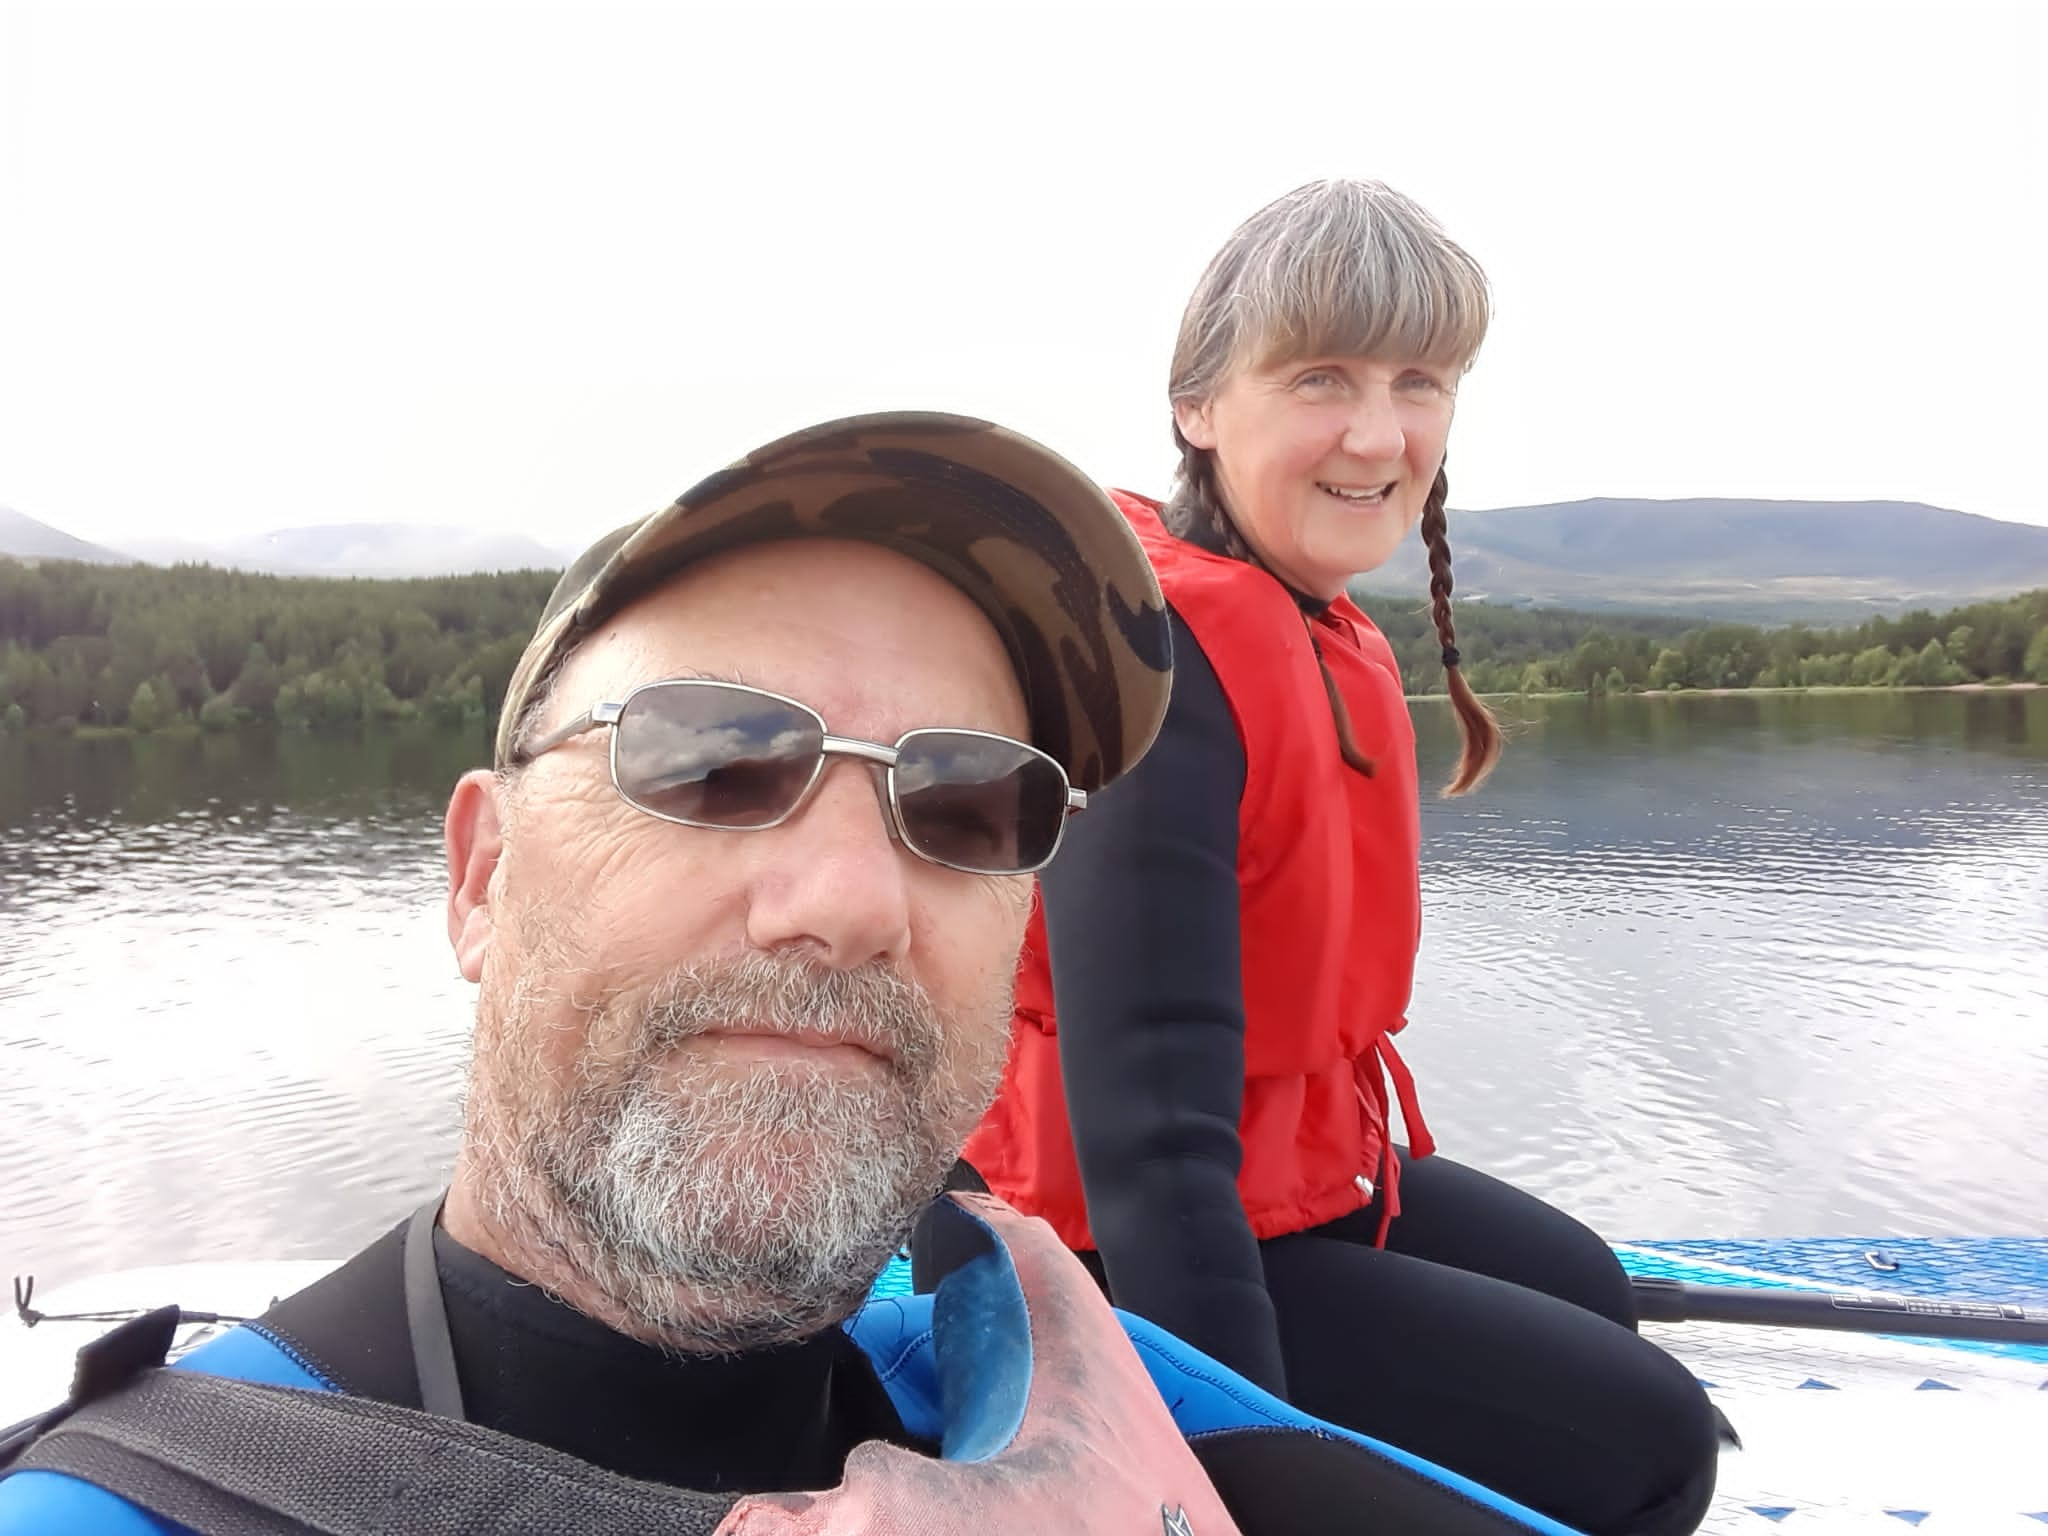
{"x": 1526, "y": 1392}
{"x": 1680, "y": 1469}
{"x": 1455, "y": 1215}
{"x": 1575, "y": 1264}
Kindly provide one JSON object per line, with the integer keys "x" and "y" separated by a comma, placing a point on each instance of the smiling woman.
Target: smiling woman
{"x": 1200, "y": 1097}
{"x": 1325, "y": 462}
{"x": 1312, "y": 389}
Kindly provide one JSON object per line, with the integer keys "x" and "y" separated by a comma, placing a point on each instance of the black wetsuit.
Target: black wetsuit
{"x": 1493, "y": 1334}
{"x": 764, "y": 1421}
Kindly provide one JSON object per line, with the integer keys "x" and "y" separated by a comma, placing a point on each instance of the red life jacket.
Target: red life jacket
{"x": 1330, "y": 914}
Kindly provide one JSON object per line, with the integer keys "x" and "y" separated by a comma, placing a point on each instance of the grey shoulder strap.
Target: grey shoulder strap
{"x": 230, "y": 1458}
{"x": 426, "y": 1317}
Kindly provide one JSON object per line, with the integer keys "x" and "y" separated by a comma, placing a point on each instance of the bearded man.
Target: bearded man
{"x": 743, "y": 897}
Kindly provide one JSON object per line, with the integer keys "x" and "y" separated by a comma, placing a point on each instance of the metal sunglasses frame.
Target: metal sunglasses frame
{"x": 874, "y": 753}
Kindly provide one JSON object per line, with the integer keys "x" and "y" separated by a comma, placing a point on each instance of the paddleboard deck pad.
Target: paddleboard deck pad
{"x": 1859, "y": 1433}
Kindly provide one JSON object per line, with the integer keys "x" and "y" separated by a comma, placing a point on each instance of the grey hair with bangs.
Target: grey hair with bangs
{"x": 1335, "y": 269}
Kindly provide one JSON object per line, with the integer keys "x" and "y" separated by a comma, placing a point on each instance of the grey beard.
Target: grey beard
{"x": 726, "y": 1209}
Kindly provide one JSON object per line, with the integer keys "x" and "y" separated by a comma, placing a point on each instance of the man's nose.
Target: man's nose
{"x": 834, "y": 879}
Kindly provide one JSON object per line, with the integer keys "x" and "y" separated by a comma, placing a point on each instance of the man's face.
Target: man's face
{"x": 655, "y": 1097}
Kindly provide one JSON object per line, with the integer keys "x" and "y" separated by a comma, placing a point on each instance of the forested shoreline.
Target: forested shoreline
{"x": 150, "y": 648}
{"x": 1554, "y": 650}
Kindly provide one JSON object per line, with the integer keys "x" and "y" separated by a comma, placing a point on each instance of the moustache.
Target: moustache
{"x": 873, "y": 1006}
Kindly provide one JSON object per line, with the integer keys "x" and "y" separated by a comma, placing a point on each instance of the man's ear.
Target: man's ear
{"x": 474, "y": 838}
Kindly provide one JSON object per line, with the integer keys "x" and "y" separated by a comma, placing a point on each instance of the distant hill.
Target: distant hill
{"x": 154, "y": 550}
{"x": 339, "y": 549}
{"x": 26, "y": 539}
{"x": 1753, "y": 560}
{"x": 389, "y": 549}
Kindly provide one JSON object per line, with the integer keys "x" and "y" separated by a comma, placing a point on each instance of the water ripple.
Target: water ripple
{"x": 1684, "y": 971}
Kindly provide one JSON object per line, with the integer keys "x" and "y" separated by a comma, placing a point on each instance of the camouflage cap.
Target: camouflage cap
{"x": 1034, "y": 542}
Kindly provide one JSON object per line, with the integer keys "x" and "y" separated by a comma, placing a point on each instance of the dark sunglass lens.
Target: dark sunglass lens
{"x": 979, "y": 802}
{"x": 714, "y": 755}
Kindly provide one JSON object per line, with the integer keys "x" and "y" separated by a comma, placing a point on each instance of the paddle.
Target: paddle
{"x": 1679, "y": 1301}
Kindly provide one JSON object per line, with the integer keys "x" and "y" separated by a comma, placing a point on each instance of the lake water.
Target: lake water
{"x": 1754, "y": 965}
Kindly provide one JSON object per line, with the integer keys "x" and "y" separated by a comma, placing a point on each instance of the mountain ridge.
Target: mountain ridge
{"x": 1728, "y": 557}
{"x": 333, "y": 550}
{"x": 29, "y": 538}
{"x": 1748, "y": 559}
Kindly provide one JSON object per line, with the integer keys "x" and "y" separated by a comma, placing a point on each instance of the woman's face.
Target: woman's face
{"x": 1324, "y": 464}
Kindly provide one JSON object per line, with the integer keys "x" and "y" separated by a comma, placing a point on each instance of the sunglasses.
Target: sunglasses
{"x": 740, "y": 759}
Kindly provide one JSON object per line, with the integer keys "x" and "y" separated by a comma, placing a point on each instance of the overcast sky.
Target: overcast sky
{"x": 537, "y": 268}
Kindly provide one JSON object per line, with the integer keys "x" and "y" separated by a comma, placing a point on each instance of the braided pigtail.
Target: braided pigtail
{"x": 1475, "y": 721}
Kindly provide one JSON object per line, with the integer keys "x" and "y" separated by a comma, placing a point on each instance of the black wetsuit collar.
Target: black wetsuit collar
{"x": 530, "y": 1365}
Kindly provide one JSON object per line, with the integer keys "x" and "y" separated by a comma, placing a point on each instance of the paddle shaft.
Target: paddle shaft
{"x": 1679, "y": 1301}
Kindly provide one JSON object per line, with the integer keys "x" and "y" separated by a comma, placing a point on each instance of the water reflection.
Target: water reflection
{"x": 1749, "y": 964}
{"x": 1739, "y": 965}
{"x": 227, "y": 1007}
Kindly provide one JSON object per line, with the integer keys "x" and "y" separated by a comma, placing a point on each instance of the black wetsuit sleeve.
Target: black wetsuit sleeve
{"x": 1141, "y": 911}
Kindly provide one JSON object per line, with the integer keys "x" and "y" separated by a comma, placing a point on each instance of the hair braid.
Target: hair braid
{"x": 1475, "y": 721}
